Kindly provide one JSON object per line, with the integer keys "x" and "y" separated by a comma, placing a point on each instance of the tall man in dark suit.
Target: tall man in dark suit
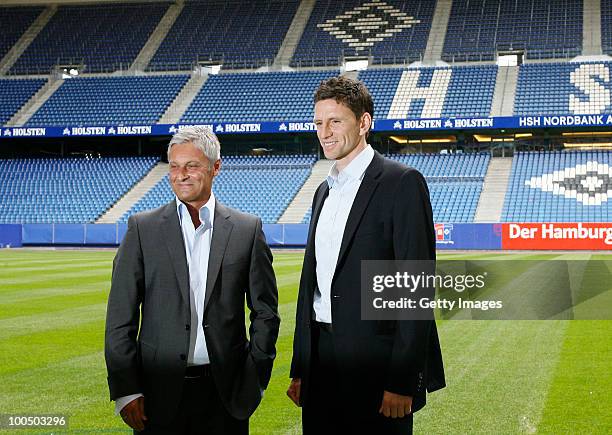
{"x": 177, "y": 353}
{"x": 351, "y": 375}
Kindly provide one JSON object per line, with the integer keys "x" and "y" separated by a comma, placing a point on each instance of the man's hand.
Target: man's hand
{"x": 395, "y": 405}
{"x": 294, "y": 390}
{"x": 133, "y": 414}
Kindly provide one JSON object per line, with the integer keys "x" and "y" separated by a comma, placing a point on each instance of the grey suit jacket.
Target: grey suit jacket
{"x": 148, "y": 317}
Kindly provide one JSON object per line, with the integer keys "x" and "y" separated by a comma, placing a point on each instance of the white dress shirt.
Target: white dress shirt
{"x": 197, "y": 250}
{"x": 343, "y": 187}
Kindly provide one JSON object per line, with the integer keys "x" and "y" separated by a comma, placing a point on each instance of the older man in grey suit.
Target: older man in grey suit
{"x": 176, "y": 347}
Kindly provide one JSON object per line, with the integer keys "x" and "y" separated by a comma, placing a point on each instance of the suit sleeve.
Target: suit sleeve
{"x": 307, "y": 267}
{"x": 262, "y": 300}
{"x": 123, "y": 316}
{"x": 413, "y": 239}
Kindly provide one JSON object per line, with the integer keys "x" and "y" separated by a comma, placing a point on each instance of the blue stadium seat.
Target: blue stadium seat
{"x": 561, "y": 186}
{"x": 236, "y": 33}
{"x": 14, "y": 94}
{"x": 545, "y": 29}
{"x": 547, "y": 89}
{"x": 14, "y": 21}
{"x": 110, "y": 100}
{"x": 100, "y": 37}
{"x": 47, "y": 190}
{"x": 276, "y": 96}
{"x": 469, "y": 93}
{"x": 606, "y": 26}
{"x": 263, "y": 185}
{"x": 392, "y": 32}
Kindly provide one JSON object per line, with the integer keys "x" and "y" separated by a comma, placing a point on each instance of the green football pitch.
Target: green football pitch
{"x": 550, "y": 376}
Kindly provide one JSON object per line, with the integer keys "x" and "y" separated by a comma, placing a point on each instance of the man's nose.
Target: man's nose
{"x": 325, "y": 131}
{"x": 182, "y": 173}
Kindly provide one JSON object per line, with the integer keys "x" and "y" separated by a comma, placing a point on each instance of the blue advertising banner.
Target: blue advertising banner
{"x": 10, "y": 235}
{"x": 486, "y": 236}
{"x": 482, "y": 236}
{"x": 502, "y": 122}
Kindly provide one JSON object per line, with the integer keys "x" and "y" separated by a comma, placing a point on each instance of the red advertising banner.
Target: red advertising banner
{"x": 562, "y": 236}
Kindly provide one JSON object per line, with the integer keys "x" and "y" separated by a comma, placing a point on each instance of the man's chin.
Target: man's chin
{"x": 185, "y": 198}
{"x": 329, "y": 155}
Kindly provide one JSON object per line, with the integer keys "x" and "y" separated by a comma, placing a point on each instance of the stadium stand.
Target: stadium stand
{"x": 454, "y": 180}
{"x": 606, "y": 26}
{"x": 562, "y": 88}
{"x": 110, "y": 100}
{"x": 275, "y": 96}
{"x": 14, "y": 21}
{"x": 14, "y": 94}
{"x": 103, "y": 38}
{"x": 458, "y": 91}
{"x": 391, "y": 31}
{"x": 263, "y": 186}
{"x": 236, "y": 33}
{"x": 69, "y": 190}
{"x": 560, "y": 186}
{"x": 544, "y": 29}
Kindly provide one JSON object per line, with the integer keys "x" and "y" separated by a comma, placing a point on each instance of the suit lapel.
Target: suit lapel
{"x": 176, "y": 248}
{"x": 366, "y": 189}
{"x": 322, "y": 194}
{"x": 222, "y": 228}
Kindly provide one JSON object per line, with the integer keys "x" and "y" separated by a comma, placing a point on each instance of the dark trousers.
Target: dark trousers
{"x": 200, "y": 412}
{"x": 325, "y": 412}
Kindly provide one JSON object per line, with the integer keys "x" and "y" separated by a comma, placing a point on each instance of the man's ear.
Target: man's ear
{"x": 365, "y": 123}
{"x": 216, "y": 167}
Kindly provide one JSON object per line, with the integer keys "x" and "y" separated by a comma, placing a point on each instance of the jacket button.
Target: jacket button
{"x": 183, "y": 356}
{"x": 187, "y": 327}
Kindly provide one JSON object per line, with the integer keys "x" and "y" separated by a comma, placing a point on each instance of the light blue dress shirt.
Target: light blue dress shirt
{"x": 343, "y": 187}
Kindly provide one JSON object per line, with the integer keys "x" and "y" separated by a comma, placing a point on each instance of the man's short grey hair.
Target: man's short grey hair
{"x": 201, "y": 138}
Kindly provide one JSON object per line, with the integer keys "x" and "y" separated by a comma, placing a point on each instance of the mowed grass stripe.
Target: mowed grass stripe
{"x": 277, "y": 413}
{"x": 21, "y": 295}
{"x": 579, "y": 398}
{"x": 42, "y": 305}
{"x": 12, "y": 271}
{"x": 45, "y": 276}
{"x": 102, "y": 276}
{"x": 19, "y": 257}
{"x": 73, "y": 317}
{"x": 41, "y": 348}
{"x": 497, "y": 373}
{"x": 75, "y": 386}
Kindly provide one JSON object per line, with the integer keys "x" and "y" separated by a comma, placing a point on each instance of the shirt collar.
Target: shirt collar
{"x": 210, "y": 205}
{"x": 354, "y": 170}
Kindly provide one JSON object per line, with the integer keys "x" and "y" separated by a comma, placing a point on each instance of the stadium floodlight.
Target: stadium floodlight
{"x": 399, "y": 139}
{"x": 591, "y": 145}
{"x": 587, "y": 133}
